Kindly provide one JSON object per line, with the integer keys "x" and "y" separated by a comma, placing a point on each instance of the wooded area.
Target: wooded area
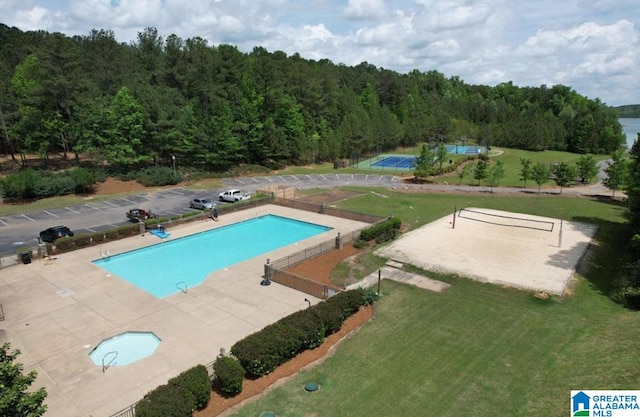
{"x": 629, "y": 111}
{"x": 214, "y": 107}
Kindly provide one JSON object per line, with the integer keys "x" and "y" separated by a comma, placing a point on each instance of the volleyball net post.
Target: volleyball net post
{"x": 453, "y": 222}
{"x": 560, "y": 235}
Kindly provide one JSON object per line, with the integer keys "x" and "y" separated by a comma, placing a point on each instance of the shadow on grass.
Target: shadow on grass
{"x": 603, "y": 263}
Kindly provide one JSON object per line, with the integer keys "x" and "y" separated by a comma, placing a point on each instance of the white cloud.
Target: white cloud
{"x": 364, "y": 9}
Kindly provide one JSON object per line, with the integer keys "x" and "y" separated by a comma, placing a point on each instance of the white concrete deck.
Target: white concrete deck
{"x": 56, "y": 311}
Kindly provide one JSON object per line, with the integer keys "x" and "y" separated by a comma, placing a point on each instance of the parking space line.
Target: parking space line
{"x": 176, "y": 192}
{"x": 126, "y": 199}
{"x": 109, "y": 202}
{"x": 51, "y": 214}
{"x": 70, "y": 209}
{"x": 93, "y": 207}
{"x": 3, "y": 222}
{"x": 28, "y": 218}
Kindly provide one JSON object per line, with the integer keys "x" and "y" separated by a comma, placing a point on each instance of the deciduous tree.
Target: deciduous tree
{"x": 565, "y": 174}
{"x": 586, "y": 168}
{"x": 540, "y": 174}
{"x": 616, "y": 171}
{"x": 526, "y": 171}
{"x": 16, "y": 398}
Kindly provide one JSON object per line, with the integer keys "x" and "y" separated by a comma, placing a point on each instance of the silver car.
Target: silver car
{"x": 201, "y": 203}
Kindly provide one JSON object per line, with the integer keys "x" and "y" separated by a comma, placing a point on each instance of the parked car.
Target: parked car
{"x": 201, "y": 203}
{"x": 138, "y": 214}
{"x": 53, "y": 233}
{"x": 233, "y": 196}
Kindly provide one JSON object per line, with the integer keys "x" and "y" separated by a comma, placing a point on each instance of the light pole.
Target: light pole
{"x": 173, "y": 158}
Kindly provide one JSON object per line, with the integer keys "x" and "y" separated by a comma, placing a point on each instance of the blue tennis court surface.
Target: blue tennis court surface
{"x": 395, "y": 162}
{"x": 464, "y": 150}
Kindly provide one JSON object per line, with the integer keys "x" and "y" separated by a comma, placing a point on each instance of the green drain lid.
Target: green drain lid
{"x": 311, "y": 386}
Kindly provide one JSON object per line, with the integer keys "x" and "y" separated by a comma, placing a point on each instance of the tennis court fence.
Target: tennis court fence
{"x": 503, "y": 220}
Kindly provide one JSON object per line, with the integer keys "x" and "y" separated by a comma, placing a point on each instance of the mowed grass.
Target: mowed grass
{"x": 476, "y": 349}
{"x": 513, "y": 167}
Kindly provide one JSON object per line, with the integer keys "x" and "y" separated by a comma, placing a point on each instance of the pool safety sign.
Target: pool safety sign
{"x": 605, "y": 403}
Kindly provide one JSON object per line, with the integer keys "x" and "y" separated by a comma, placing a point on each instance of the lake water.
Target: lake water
{"x": 630, "y": 127}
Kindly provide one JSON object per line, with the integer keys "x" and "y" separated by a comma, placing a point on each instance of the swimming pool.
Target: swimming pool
{"x": 124, "y": 349}
{"x": 169, "y": 267}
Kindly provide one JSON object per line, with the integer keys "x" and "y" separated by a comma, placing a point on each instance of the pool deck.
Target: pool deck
{"x": 57, "y": 310}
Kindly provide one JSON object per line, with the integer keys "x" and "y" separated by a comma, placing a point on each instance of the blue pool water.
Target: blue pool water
{"x": 165, "y": 268}
{"x": 124, "y": 348}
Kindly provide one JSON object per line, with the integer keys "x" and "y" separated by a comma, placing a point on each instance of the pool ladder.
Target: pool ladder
{"x": 182, "y": 286}
{"x": 105, "y": 254}
{"x": 107, "y": 365}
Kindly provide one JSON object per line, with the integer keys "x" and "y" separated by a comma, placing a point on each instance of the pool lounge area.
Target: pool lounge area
{"x": 57, "y": 311}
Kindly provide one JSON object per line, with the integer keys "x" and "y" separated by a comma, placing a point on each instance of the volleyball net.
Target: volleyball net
{"x": 508, "y": 221}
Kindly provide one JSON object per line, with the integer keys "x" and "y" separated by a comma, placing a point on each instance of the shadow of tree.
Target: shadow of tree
{"x": 603, "y": 262}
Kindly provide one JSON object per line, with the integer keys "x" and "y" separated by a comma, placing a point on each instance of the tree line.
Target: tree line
{"x": 213, "y": 107}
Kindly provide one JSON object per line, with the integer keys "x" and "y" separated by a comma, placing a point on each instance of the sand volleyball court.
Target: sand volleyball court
{"x": 514, "y": 249}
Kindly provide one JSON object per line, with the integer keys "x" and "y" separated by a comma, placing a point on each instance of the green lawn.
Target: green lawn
{"x": 476, "y": 349}
{"x": 512, "y": 166}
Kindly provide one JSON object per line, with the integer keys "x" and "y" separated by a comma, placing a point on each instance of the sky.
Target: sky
{"x": 593, "y": 46}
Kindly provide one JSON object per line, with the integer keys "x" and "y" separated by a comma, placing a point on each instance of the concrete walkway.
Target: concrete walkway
{"x": 393, "y": 272}
{"x": 57, "y": 310}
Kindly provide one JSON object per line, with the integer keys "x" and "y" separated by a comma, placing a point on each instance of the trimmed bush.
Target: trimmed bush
{"x": 331, "y": 317}
{"x": 261, "y": 352}
{"x": 627, "y": 296}
{"x": 128, "y": 230}
{"x": 82, "y": 240}
{"x": 166, "y": 401}
{"x": 64, "y": 244}
{"x": 310, "y": 329}
{"x": 389, "y": 227}
{"x": 150, "y": 223}
{"x": 195, "y": 380}
{"x": 347, "y": 302}
{"x": 229, "y": 374}
{"x": 111, "y": 234}
{"x": 97, "y": 237}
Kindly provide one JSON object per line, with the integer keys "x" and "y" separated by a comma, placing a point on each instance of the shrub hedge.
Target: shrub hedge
{"x": 229, "y": 374}
{"x": 389, "y": 227}
{"x": 196, "y": 380}
{"x": 166, "y": 401}
{"x": 261, "y": 352}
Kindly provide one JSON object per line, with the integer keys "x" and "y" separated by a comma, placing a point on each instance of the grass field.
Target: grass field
{"x": 476, "y": 349}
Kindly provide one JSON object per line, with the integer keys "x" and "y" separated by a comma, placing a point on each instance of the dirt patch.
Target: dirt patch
{"x": 114, "y": 186}
{"x": 319, "y": 268}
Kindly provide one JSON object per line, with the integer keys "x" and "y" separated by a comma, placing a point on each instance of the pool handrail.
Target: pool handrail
{"x": 108, "y": 365}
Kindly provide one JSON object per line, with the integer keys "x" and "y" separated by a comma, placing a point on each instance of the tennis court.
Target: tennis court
{"x": 404, "y": 162}
{"x": 465, "y": 150}
{"x": 394, "y": 162}
{"x": 512, "y": 249}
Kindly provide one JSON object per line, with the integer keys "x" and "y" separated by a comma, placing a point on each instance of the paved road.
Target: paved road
{"x": 91, "y": 216}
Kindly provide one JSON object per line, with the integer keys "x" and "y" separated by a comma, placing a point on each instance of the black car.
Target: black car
{"x": 53, "y": 233}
